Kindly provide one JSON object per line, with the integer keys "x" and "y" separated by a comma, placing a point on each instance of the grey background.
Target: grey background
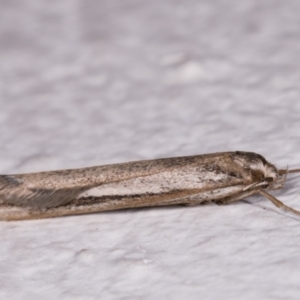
{"x": 95, "y": 82}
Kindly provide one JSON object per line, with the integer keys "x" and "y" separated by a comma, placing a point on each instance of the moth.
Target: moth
{"x": 220, "y": 178}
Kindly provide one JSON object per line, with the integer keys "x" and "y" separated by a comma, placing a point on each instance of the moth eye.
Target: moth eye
{"x": 257, "y": 175}
{"x": 269, "y": 179}
{"x": 232, "y": 174}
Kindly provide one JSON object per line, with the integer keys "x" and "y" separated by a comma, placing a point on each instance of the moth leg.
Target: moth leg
{"x": 278, "y": 203}
{"x": 234, "y": 198}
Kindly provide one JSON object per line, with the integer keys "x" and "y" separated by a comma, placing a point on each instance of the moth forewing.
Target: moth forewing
{"x": 219, "y": 177}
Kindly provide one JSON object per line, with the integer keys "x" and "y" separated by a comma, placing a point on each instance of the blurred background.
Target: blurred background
{"x": 91, "y": 82}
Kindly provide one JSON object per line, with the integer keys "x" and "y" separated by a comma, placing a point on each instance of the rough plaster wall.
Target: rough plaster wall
{"x": 94, "y": 82}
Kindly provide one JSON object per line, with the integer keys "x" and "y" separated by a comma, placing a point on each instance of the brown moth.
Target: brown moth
{"x": 219, "y": 177}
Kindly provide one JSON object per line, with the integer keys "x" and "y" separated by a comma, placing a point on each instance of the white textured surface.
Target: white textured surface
{"x": 88, "y": 82}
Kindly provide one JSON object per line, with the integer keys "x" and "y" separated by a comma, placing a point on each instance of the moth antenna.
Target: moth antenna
{"x": 278, "y": 203}
{"x": 287, "y": 171}
{"x": 293, "y": 171}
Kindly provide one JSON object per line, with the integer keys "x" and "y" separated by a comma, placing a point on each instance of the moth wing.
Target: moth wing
{"x": 51, "y": 189}
{"x": 54, "y": 188}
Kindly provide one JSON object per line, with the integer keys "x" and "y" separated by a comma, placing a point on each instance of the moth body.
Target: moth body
{"x": 220, "y": 177}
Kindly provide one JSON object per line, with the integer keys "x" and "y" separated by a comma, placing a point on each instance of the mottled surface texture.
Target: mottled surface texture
{"x": 87, "y": 82}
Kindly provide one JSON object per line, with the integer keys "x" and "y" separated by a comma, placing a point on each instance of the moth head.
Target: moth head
{"x": 261, "y": 170}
